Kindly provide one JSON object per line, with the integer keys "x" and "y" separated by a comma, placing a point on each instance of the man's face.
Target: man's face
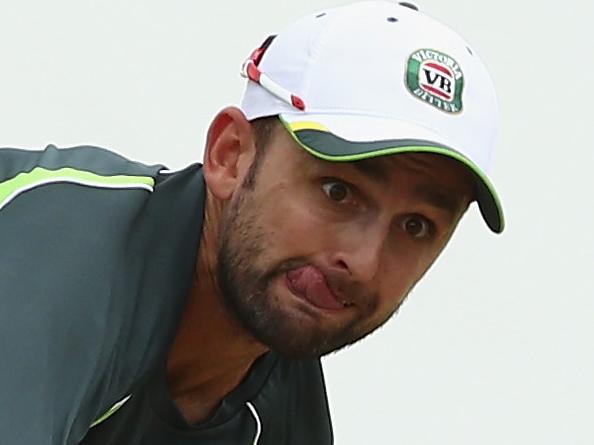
{"x": 316, "y": 255}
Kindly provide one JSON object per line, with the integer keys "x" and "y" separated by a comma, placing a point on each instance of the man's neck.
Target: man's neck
{"x": 212, "y": 352}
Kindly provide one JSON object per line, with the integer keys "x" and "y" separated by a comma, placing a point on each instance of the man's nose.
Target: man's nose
{"x": 361, "y": 256}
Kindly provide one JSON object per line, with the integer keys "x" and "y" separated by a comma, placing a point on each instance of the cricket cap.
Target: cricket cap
{"x": 378, "y": 78}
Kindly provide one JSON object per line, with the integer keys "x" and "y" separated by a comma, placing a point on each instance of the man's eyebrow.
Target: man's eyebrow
{"x": 445, "y": 200}
{"x": 375, "y": 171}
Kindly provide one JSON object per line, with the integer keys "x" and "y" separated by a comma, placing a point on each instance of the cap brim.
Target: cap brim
{"x": 313, "y": 133}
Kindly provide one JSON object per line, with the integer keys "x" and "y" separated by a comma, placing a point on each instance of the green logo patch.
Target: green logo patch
{"x": 435, "y": 78}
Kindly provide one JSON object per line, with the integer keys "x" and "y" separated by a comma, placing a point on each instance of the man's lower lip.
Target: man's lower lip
{"x": 304, "y": 298}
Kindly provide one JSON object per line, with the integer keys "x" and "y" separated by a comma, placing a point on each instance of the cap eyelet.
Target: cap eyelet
{"x": 409, "y": 5}
{"x": 392, "y": 19}
{"x": 322, "y": 14}
{"x": 469, "y": 51}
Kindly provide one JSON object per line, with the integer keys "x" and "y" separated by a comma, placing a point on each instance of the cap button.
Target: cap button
{"x": 409, "y": 5}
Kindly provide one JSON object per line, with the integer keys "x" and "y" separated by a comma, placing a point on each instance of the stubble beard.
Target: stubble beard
{"x": 246, "y": 292}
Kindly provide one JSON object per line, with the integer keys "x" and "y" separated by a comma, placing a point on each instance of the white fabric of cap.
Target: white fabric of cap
{"x": 350, "y": 62}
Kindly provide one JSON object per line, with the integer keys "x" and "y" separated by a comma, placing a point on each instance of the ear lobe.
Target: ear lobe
{"x": 229, "y": 152}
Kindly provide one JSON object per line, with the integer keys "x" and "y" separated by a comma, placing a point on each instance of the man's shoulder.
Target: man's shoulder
{"x": 25, "y": 170}
{"x": 79, "y": 230}
{"x": 83, "y": 157}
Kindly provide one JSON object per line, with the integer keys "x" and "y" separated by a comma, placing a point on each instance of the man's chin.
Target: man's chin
{"x": 293, "y": 338}
{"x": 294, "y": 329}
{"x": 280, "y": 320}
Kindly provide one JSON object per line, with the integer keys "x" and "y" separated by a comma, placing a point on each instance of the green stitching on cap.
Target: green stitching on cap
{"x": 492, "y": 214}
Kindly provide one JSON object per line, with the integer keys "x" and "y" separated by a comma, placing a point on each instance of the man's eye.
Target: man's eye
{"x": 416, "y": 226}
{"x": 336, "y": 191}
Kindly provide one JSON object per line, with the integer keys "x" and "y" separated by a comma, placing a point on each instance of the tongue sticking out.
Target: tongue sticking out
{"x": 309, "y": 283}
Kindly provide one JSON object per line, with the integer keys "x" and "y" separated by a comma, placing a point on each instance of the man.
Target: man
{"x": 143, "y": 306}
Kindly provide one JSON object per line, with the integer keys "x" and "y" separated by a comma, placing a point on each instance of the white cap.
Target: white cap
{"x": 377, "y": 78}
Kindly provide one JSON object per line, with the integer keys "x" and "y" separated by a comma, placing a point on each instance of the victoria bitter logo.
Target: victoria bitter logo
{"x": 435, "y": 78}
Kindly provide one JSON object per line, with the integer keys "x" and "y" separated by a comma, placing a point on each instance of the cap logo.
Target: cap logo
{"x": 435, "y": 78}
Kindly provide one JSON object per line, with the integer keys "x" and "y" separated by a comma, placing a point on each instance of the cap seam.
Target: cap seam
{"x": 322, "y": 41}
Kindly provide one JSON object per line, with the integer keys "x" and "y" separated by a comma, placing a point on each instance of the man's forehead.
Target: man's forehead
{"x": 443, "y": 182}
{"x": 437, "y": 167}
{"x": 444, "y": 173}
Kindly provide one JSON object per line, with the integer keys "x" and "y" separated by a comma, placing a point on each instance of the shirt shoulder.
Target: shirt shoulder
{"x": 83, "y": 157}
{"x": 25, "y": 170}
{"x": 84, "y": 240}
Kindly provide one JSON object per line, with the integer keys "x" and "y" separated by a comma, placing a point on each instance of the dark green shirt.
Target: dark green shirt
{"x": 96, "y": 261}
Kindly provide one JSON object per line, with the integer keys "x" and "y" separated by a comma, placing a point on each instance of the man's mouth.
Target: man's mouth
{"x": 310, "y": 284}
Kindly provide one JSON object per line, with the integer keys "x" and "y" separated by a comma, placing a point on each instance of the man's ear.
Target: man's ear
{"x": 230, "y": 150}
